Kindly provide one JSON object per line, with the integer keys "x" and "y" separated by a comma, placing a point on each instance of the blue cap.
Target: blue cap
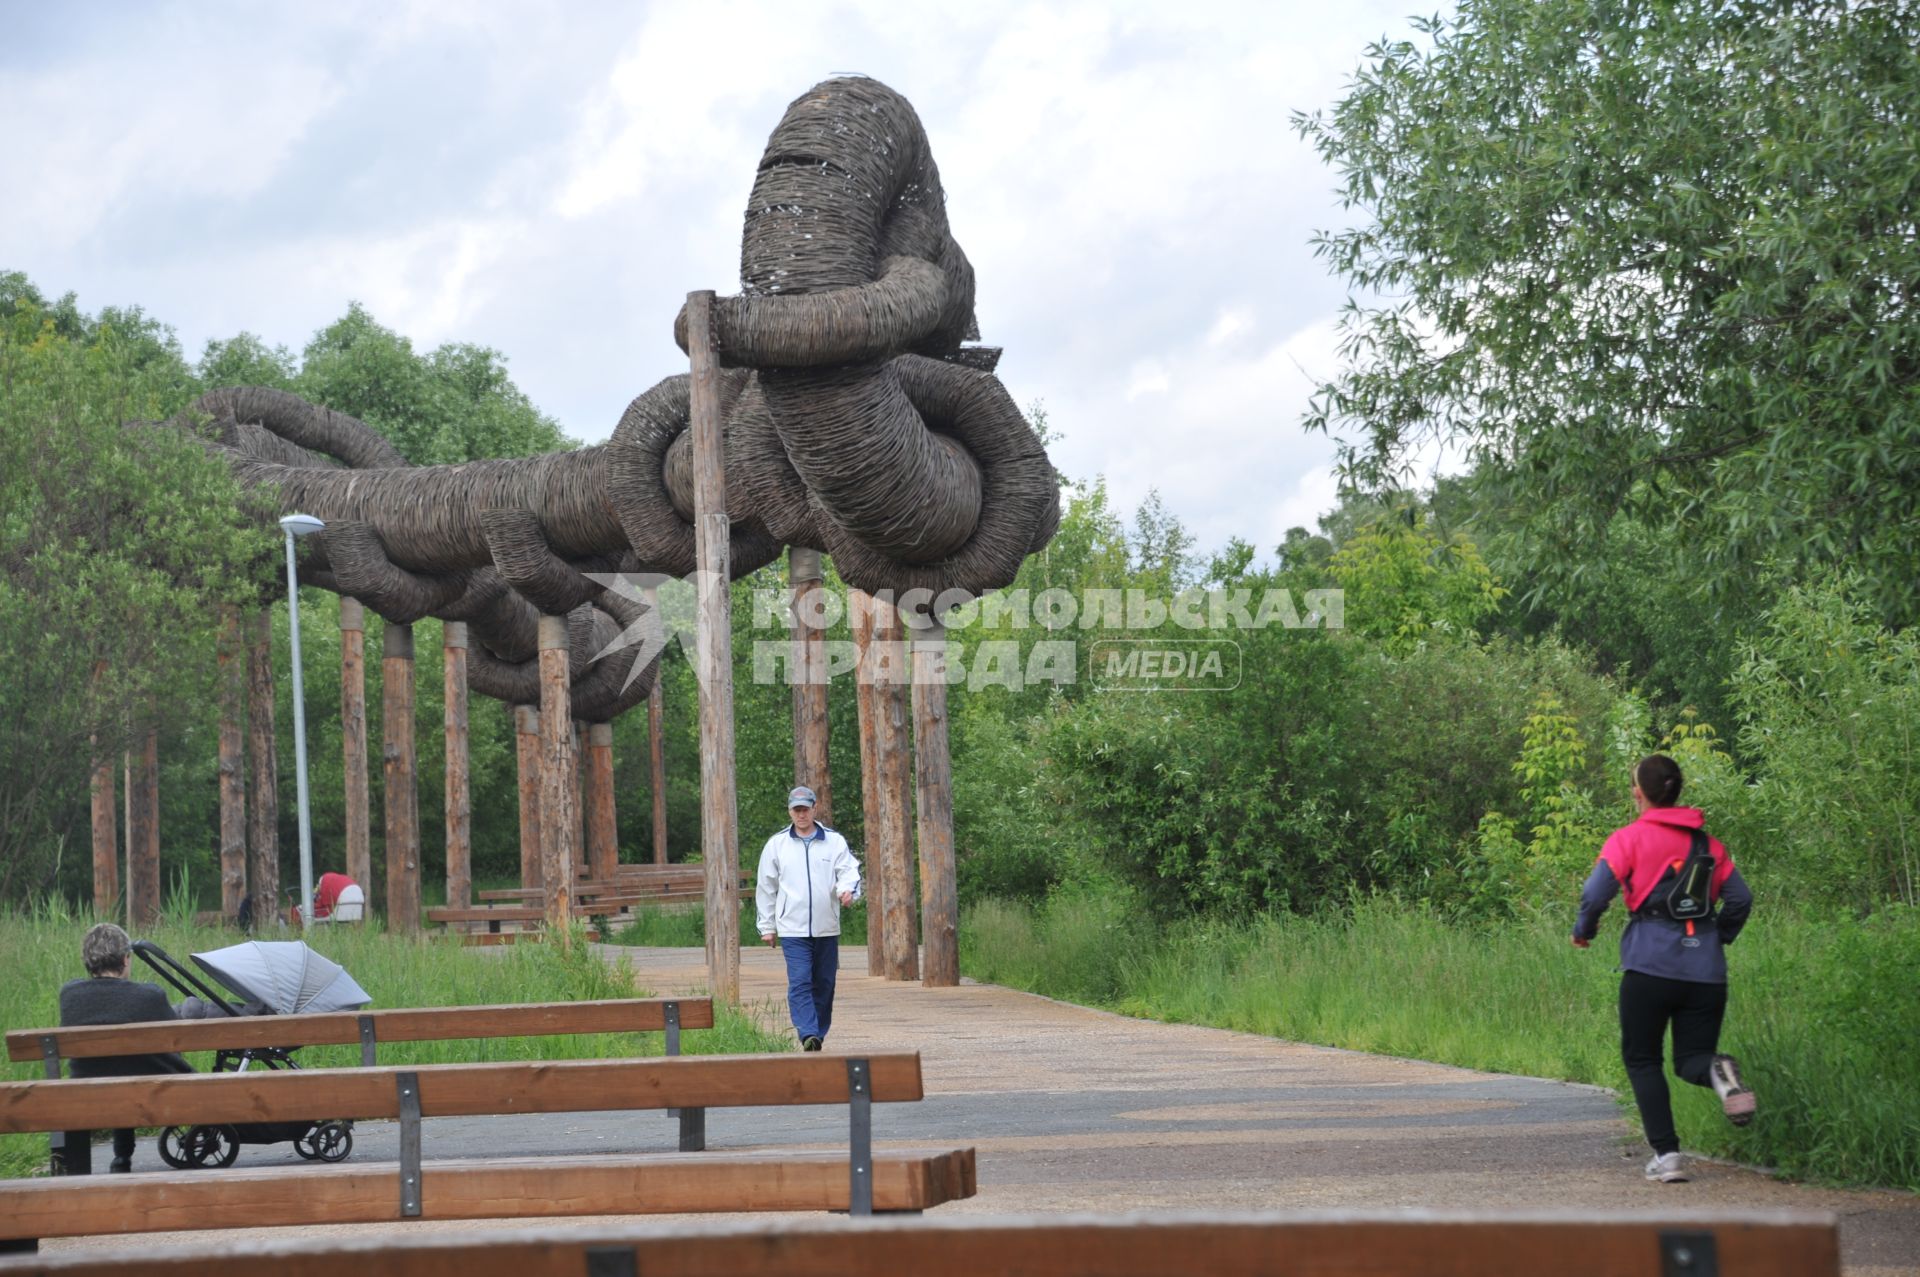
{"x": 800, "y": 797}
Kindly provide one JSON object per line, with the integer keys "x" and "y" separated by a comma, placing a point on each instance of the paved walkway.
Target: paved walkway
{"x": 1072, "y": 1109}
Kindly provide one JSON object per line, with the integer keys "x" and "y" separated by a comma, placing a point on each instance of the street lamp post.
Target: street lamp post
{"x": 300, "y": 525}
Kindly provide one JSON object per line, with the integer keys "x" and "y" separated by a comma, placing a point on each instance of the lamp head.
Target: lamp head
{"x": 301, "y": 525}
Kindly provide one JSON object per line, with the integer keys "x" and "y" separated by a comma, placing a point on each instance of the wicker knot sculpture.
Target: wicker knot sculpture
{"x": 856, "y": 424}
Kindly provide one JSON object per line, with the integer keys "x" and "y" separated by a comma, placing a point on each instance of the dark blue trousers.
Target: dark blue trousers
{"x": 812, "y": 966}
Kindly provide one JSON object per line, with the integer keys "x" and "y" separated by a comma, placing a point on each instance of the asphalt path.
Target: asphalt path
{"x": 1074, "y": 1110}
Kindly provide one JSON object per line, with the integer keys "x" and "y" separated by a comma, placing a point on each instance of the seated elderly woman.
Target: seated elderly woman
{"x": 107, "y": 996}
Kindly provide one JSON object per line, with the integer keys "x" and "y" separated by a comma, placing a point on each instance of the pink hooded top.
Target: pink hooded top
{"x": 1633, "y": 861}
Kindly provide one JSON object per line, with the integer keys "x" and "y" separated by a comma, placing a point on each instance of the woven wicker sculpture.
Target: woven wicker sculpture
{"x": 855, "y": 424}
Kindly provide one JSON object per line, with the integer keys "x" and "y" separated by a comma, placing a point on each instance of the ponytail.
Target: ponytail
{"x": 1659, "y": 779}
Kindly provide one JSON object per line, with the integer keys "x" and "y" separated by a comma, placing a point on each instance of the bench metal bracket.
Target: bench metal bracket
{"x": 409, "y": 1088}
{"x": 672, "y": 1013}
{"x": 50, "y": 1055}
{"x": 611, "y": 1261}
{"x": 860, "y": 1136}
{"x": 367, "y": 1059}
{"x": 1688, "y": 1255}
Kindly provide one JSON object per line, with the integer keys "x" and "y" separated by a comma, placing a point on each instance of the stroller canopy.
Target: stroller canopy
{"x": 284, "y": 976}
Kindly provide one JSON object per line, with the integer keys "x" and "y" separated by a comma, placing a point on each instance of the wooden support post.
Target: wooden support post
{"x": 401, "y": 772}
{"x": 558, "y": 819}
{"x": 933, "y": 770}
{"x": 808, "y": 672}
{"x": 892, "y": 690}
{"x": 657, "y": 745}
{"x": 526, "y": 733}
{"x": 106, "y": 838}
{"x": 106, "y": 834}
{"x": 353, "y": 743}
{"x": 582, "y": 865}
{"x": 263, "y": 793}
{"x": 459, "y": 786}
{"x": 860, "y": 621}
{"x": 143, "y": 832}
{"x": 230, "y": 657}
{"x": 719, "y": 810}
{"x": 603, "y": 837}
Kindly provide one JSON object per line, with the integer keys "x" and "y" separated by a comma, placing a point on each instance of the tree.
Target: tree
{"x": 1659, "y": 257}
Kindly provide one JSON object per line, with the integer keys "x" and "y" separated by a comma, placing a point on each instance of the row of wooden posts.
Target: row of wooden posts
{"x": 905, "y": 768}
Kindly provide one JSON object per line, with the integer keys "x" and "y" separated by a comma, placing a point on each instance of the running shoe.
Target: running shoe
{"x": 1736, "y": 1100}
{"x": 1667, "y": 1168}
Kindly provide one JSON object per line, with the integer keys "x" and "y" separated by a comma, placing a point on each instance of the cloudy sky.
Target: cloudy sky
{"x": 550, "y": 180}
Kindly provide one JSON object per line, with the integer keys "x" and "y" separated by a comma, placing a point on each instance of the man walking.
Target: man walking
{"x": 807, "y": 872}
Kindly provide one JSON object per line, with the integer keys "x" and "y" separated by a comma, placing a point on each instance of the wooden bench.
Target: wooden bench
{"x": 531, "y": 916}
{"x": 1375, "y": 1243}
{"x": 858, "y": 1181}
{"x": 233, "y": 1035}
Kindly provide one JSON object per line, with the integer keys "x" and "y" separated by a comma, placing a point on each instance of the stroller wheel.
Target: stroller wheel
{"x": 327, "y": 1142}
{"x": 195, "y": 1147}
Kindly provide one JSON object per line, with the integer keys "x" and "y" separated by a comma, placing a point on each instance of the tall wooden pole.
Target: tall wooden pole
{"x": 353, "y": 742}
{"x": 263, "y": 796}
{"x": 809, "y": 675}
{"x": 719, "y": 810}
{"x": 657, "y": 746}
{"x": 860, "y": 621}
{"x": 891, "y": 676}
{"x": 401, "y": 773}
{"x": 459, "y": 785}
{"x": 106, "y": 838}
{"x": 558, "y": 819}
{"x": 939, "y": 895}
{"x": 230, "y": 657}
{"x": 526, "y": 735}
{"x": 582, "y": 864}
{"x": 126, "y": 823}
{"x": 143, "y": 835}
{"x": 106, "y": 834}
{"x": 603, "y": 835}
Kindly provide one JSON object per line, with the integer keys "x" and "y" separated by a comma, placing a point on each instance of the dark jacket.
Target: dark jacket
{"x": 110, "y": 1000}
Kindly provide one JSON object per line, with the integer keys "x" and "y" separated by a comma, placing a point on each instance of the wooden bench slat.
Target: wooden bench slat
{"x": 1378, "y": 1243}
{"x": 645, "y": 1184}
{"x": 449, "y": 1090}
{"x": 405, "y": 1024}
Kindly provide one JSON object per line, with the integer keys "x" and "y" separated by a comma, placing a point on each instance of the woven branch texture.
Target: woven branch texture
{"x": 856, "y": 422}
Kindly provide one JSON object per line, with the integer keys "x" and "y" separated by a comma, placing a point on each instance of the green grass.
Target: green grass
{"x": 1824, "y": 1013}
{"x": 41, "y": 951}
{"x": 682, "y": 926}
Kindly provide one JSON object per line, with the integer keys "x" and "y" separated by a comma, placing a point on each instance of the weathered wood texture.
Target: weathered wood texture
{"x": 660, "y": 1183}
{"x": 143, "y": 832}
{"x": 657, "y": 748}
{"x": 808, "y": 672}
{"x": 408, "y": 1024}
{"x": 1324, "y": 1244}
{"x": 933, "y": 771}
{"x": 558, "y": 822}
{"x": 230, "y": 659}
{"x": 860, "y": 623}
{"x": 263, "y": 775}
{"x": 892, "y": 675}
{"x": 450, "y": 1090}
{"x": 526, "y": 735}
{"x": 353, "y": 743}
{"x": 459, "y": 794}
{"x": 105, "y": 827}
{"x": 603, "y": 831}
{"x": 401, "y": 772}
{"x": 719, "y": 809}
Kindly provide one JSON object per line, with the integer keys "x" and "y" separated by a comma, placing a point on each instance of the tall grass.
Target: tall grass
{"x": 1823, "y": 1014}
{"x": 40, "y": 951}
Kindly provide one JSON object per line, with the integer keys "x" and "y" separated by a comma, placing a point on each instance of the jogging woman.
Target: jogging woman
{"x": 1672, "y": 959}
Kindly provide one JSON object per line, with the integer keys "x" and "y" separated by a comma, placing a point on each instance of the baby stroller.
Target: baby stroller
{"x": 268, "y": 977}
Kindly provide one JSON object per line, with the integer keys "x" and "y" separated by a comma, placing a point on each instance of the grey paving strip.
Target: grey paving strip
{"x": 1073, "y": 1109}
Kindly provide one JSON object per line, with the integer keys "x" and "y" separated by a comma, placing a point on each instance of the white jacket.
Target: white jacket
{"x": 799, "y": 884}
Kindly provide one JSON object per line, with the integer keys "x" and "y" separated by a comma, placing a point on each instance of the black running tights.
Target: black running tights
{"x": 1648, "y": 1004}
